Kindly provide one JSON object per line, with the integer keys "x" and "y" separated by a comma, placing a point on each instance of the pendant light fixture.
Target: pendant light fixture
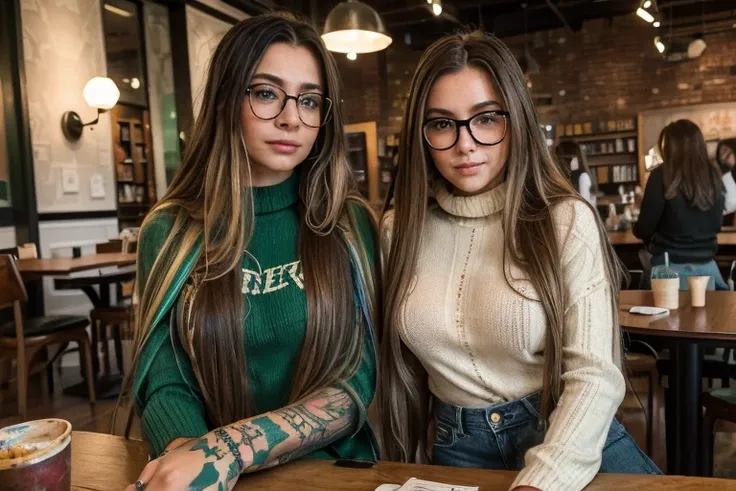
{"x": 354, "y": 27}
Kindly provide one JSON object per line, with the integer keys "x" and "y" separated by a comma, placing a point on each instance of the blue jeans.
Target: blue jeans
{"x": 690, "y": 269}
{"x": 471, "y": 438}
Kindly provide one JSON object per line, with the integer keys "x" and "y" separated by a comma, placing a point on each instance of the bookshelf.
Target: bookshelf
{"x": 611, "y": 151}
{"x": 134, "y": 173}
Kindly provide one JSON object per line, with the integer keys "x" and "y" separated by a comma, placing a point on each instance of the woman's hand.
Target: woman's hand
{"x": 203, "y": 463}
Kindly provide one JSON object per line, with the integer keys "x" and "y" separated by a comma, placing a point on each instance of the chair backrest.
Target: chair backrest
{"x": 111, "y": 246}
{"x": 12, "y": 289}
{"x": 27, "y": 251}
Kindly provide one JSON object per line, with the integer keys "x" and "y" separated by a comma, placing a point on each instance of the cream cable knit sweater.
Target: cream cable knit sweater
{"x": 476, "y": 323}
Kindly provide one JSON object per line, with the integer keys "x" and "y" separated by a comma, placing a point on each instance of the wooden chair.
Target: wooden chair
{"x": 117, "y": 318}
{"x": 27, "y": 251}
{"x": 718, "y": 404}
{"x": 28, "y": 338}
{"x": 645, "y": 366}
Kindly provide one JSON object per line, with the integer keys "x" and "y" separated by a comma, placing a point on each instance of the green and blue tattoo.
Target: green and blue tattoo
{"x": 309, "y": 425}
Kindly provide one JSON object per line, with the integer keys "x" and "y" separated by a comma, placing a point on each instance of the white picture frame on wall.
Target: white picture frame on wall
{"x": 69, "y": 181}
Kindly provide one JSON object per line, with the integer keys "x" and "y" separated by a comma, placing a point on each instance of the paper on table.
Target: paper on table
{"x": 415, "y": 484}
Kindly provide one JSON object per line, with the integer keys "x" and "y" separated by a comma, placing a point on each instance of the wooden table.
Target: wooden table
{"x": 725, "y": 238}
{"x": 34, "y": 268}
{"x": 686, "y": 329}
{"x": 104, "y": 462}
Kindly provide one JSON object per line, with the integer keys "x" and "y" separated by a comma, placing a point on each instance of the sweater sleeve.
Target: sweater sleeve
{"x": 652, "y": 206}
{"x": 166, "y": 394}
{"x": 570, "y": 455}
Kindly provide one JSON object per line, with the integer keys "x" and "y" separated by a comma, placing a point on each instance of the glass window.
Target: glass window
{"x": 4, "y": 185}
{"x": 124, "y": 47}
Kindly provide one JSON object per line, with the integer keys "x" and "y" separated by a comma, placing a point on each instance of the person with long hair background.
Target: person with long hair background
{"x": 682, "y": 209}
{"x": 500, "y": 287}
{"x": 572, "y": 158}
{"x": 257, "y": 277}
{"x": 726, "y": 160}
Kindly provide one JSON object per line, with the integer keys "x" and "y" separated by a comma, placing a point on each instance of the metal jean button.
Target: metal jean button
{"x": 495, "y": 418}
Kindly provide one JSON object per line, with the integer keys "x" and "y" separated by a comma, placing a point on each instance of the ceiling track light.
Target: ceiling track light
{"x": 436, "y": 7}
{"x": 644, "y": 10}
{"x": 645, "y": 15}
{"x": 659, "y": 44}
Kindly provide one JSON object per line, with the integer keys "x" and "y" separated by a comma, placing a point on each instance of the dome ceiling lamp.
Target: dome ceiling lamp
{"x": 354, "y": 27}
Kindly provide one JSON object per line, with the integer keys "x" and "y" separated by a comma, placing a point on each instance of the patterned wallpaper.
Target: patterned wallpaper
{"x": 63, "y": 49}
{"x": 204, "y": 32}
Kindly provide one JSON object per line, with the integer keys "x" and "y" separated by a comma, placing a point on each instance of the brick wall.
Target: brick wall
{"x": 608, "y": 70}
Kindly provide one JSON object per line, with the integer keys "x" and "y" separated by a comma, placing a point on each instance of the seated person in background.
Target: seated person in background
{"x": 572, "y": 158}
{"x": 682, "y": 209}
{"x": 726, "y": 159}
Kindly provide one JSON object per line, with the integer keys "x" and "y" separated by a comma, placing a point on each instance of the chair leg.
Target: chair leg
{"x": 44, "y": 375}
{"x": 118, "y": 348}
{"x": 706, "y": 445}
{"x": 22, "y": 376}
{"x": 105, "y": 348}
{"x": 85, "y": 357}
{"x": 95, "y": 349}
{"x": 670, "y": 436}
{"x": 2, "y": 381}
{"x": 650, "y": 418}
{"x": 50, "y": 378}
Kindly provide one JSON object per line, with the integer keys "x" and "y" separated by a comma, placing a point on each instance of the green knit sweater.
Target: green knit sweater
{"x": 166, "y": 391}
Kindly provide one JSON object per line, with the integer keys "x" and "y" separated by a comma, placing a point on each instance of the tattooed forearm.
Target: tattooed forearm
{"x": 312, "y": 425}
{"x": 203, "y": 444}
{"x": 294, "y": 431}
{"x": 274, "y": 438}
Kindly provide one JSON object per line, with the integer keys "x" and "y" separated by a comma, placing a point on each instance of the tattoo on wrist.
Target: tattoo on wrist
{"x": 223, "y": 435}
{"x": 203, "y": 445}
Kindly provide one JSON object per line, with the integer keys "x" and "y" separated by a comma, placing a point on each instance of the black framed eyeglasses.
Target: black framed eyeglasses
{"x": 487, "y": 128}
{"x": 268, "y": 101}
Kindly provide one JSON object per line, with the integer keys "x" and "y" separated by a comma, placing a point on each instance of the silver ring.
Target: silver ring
{"x": 139, "y": 486}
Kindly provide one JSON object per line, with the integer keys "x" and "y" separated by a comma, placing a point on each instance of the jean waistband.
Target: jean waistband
{"x": 498, "y": 416}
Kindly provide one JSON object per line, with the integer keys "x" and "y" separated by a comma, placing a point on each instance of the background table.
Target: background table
{"x": 104, "y": 462}
{"x": 627, "y": 238}
{"x": 686, "y": 329}
{"x": 34, "y": 269}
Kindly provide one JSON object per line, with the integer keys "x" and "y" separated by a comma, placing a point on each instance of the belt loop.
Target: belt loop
{"x": 459, "y": 420}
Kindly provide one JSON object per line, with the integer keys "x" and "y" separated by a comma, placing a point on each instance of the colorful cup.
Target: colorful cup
{"x": 37, "y": 455}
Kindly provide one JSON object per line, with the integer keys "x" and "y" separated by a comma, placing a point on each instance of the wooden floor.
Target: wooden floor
{"x": 78, "y": 412}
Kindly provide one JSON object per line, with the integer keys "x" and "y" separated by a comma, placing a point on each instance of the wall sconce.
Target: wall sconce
{"x": 100, "y": 93}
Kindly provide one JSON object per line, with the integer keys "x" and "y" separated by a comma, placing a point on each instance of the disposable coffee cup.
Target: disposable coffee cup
{"x": 666, "y": 292}
{"x": 698, "y": 285}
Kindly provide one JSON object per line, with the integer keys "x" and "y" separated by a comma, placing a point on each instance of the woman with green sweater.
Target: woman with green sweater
{"x": 256, "y": 284}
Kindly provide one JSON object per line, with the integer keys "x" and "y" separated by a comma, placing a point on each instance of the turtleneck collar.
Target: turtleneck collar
{"x": 480, "y": 205}
{"x": 270, "y": 199}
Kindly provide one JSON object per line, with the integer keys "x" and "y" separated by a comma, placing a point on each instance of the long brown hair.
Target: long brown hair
{"x": 687, "y": 168}
{"x": 535, "y": 184}
{"x": 212, "y": 204}
{"x": 565, "y": 151}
